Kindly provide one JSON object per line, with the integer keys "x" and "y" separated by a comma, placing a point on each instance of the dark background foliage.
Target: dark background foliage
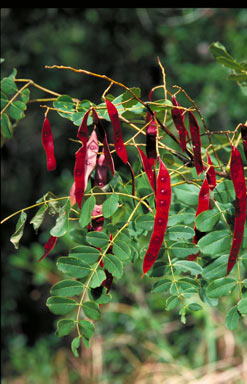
{"x": 123, "y": 43}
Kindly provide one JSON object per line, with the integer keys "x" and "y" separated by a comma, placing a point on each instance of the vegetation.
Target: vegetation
{"x": 121, "y": 332}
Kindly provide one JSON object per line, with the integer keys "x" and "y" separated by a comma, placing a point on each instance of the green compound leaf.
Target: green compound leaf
{"x": 61, "y": 305}
{"x": 232, "y": 318}
{"x": 64, "y": 327}
{"x": 73, "y": 267}
{"x": 221, "y": 287}
{"x": 16, "y": 237}
{"x": 67, "y": 288}
{"x": 91, "y": 310}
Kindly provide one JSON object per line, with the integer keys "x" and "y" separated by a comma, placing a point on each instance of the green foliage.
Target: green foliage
{"x": 97, "y": 258}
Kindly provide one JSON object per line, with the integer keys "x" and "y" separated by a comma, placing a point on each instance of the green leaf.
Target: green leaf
{"x": 181, "y": 249}
{"x": 67, "y": 288}
{"x": 75, "y": 344}
{"x": 206, "y": 220}
{"x": 8, "y": 86}
{"x": 87, "y": 328}
{"x": 187, "y": 194}
{"x": 224, "y": 192}
{"x": 73, "y": 267}
{"x": 97, "y": 239}
{"x": 179, "y": 233}
{"x": 171, "y": 302}
{"x": 91, "y": 310}
{"x": 16, "y": 237}
{"x": 230, "y": 63}
{"x": 194, "y": 307}
{"x": 97, "y": 279}
{"x": 188, "y": 266}
{"x": 99, "y": 295}
{"x": 110, "y": 206}
{"x": 232, "y": 318}
{"x": 242, "y": 306}
{"x": 121, "y": 250}
{"x": 127, "y": 95}
{"x": 64, "y": 327}
{"x": 219, "y": 50}
{"x": 216, "y": 269}
{"x": 215, "y": 243}
{"x": 16, "y": 109}
{"x": 145, "y": 222}
{"x": 237, "y": 77}
{"x": 220, "y": 287}
{"x": 61, "y": 305}
{"x": 6, "y": 126}
{"x": 161, "y": 286}
{"x": 39, "y": 217}
{"x": 113, "y": 265}
{"x": 65, "y": 106}
{"x": 85, "y": 253}
{"x": 86, "y": 211}
{"x": 62, "y": 221}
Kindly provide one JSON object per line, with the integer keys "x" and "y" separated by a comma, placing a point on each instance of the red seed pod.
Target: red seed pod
{"x": 48, "y": 247}
{"x": 244, "y": 138}
{"x": 147, "y": 165}
{"x": 82, "y": 132}
{"x": 117, "y": 134}
{"x": 80, "y": 156}
{"x": 196, "y": 142}
{"x": 163, "y": 201}
{"x": 79, "y": 174}
{"x": 203, "y": 205}
{"x": 178, "y": 119}
{"x": 103, "y": 137}
{"x": 48, "y": 144}
{"x": 151, "y": 135}
{"x": 91, "y": 155}
{"x": 237, "y": 175}
{"x": 211, "y": 175}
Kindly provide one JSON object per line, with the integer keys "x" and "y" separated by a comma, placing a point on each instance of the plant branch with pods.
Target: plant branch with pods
{"x": 149, "y": 188}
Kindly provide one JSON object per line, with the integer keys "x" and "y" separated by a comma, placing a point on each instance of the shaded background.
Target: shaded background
{"x": 138, "y": 336}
